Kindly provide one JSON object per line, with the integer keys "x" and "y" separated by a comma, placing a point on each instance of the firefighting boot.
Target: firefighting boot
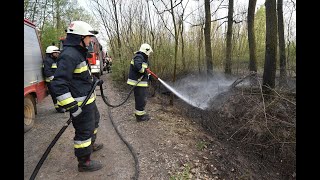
{"x": 97, "y": 146}
{"x": 60, "y": 110}
{"x": 141, "y": 118}
{"x": 88, "y": 165}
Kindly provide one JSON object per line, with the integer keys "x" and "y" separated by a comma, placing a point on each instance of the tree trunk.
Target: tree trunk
{"x": 199, "y": 49}
{"x": 182, "y": 46}
{"x": 282, "y": 49}
{"x": 207, "y": 38}
{"x": 34, "y": 10}
{"x": 58, "y": 15}
{"x": 118, "y": 38}
{"x": 44, "y": 18}
{"x": 251, "y": 36}
{"x": 176, "y": 40}
{"x": 269, "y": 73}
{"x": 228, "y": 66}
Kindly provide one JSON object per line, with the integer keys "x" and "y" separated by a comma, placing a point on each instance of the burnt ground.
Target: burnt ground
{"x": 179, "y": 142}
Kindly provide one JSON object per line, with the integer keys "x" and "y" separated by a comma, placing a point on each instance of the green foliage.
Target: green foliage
{"x": 260, "y": 29}
{"x": 201, "y": 145}
{"x": 184, "y": 175}
{"x": 50, "y": 35}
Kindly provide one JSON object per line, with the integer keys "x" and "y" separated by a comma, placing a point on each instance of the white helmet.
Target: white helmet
{"x": 81, "y": 28}
{"x": 146, "y": 48}
{"x": 52, "y": 49}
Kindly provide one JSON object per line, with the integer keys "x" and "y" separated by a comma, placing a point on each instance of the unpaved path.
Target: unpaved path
{"x": 169, "y": 146}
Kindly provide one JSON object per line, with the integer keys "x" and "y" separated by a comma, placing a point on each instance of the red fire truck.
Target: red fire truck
{"x": 96, "y": 58}
{"x": 35, "y": 89}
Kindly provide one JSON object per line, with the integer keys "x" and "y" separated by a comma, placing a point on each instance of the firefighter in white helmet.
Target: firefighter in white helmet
{"x": 72, "y": 83}
{"x": 49, "y": 68}
{"x": 138, "y": 77}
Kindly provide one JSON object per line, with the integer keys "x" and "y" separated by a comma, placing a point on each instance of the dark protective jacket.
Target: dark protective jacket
{"x": 72, "y": 80}
{"x": 137, "y": 70}
{"x": 49, "y": 67}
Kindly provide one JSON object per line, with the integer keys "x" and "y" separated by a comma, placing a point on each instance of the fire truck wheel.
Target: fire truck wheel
{"x": 29, "y": 113}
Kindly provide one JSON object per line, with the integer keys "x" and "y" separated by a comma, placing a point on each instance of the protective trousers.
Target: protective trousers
{"x": 54, "y": 100}
{"x": 140, "y": 96}
{"x": 86, "y": 125}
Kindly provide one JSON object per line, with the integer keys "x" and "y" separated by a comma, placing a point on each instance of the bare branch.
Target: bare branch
{"x": 170, "y": 8}
{"x": 165, "y": 25}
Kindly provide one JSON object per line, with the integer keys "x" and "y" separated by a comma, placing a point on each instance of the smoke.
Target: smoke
{"x": 199, "y": 90}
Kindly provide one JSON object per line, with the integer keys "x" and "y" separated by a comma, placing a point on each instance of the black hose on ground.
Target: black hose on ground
{"x": 120, "y": 104}
{"x": 105, "y": 99}
{"x": 56, "y": 138}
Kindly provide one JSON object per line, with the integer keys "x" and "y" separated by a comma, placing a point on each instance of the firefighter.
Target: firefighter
{"x": 72, "y": 82}
{"x": 138, "y": 77}
{"x": 109, "y": 64}
{"x": 49, "y": 67}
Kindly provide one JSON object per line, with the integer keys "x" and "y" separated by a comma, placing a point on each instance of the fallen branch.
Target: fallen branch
{"x": 239, "y": 80}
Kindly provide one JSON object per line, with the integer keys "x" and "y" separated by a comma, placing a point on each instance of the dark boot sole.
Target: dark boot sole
{"x": 143, "y": 120}
{"x": 89, "y": 170}
{"x": 97, "y": 148}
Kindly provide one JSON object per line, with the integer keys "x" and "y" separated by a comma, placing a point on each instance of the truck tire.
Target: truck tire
{"x": 29, "y": 113}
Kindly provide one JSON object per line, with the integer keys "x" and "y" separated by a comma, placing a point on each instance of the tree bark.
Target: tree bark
{"x": 269, "y": 73}
{"x": 118, "y": 36}
{"x": 282, "y": 49}
{"x": 199, "y": 49}
{"x": 207, "y": 38}
{"x": 176, "y": 40}
{"x": 182, "y": 45}
{"x": 228, "y": 66}
{"x": 251, "y": 36}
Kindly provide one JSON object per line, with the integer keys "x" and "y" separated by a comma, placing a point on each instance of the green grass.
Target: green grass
{"x": 201, "y": 145}
{"x": 184, "y": 175}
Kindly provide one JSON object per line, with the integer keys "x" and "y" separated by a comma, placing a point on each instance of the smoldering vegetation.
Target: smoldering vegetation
{"x": 262, "y": 127}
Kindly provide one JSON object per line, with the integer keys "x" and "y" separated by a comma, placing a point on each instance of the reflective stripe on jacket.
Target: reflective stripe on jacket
{"x": 137, "y": 74}
{"x": 72, "y": 80}
{"x": 49, "y": 67}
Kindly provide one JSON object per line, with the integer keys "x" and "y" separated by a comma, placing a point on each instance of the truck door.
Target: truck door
{"x": 32, "y": 60}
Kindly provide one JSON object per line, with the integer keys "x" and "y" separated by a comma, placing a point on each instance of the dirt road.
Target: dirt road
{"x": 169, "y": 146}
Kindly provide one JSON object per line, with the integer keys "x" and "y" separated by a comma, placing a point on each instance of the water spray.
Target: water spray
{"x": 172, "y": 89}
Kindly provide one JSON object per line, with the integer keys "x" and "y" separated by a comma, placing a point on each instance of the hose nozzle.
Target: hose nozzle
{"x": 152, "y": 73}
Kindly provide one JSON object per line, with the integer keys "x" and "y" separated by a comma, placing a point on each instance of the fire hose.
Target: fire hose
{"x": 97, "y": 82}
{"x": 105, "y": 99}
{"x": 44, "y": 156}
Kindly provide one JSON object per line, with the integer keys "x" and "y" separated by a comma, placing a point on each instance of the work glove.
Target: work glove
{"x": 150, "y": 77}
{"x": 75, "y": 111}
{"x": 100, "y": 82}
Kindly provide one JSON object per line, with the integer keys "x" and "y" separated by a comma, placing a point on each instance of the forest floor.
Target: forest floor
{"x": 179, "y": 142}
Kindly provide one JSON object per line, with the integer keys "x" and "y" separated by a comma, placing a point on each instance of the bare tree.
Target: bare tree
{"x": 228, "y": 67}
{"x": 181, "y": 30}
{"x": 207, "y": 38}
{"x": 289, "y": 33}
{"x": 269, "y": 73}
{"x": 251, "y": 36}
{"x": 34, "y": 10}
{"x": 282, "y": 46}
{"x": 175, "y": 35}
{"x": 44, "y": 17}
